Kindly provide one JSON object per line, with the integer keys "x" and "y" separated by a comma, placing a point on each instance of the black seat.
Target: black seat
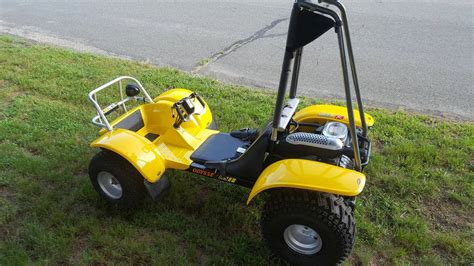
{"x": 249, "y": 165}
{"x": 218, "y": 147}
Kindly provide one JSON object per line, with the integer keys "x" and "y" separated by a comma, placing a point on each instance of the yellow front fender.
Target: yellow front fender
{"x": 138, "y": 150}
{"x": 310, "y": 175}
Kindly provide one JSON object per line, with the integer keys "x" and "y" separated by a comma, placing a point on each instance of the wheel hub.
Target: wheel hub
{"x": 302, "y": 239}
{"x": 109, "y": 185}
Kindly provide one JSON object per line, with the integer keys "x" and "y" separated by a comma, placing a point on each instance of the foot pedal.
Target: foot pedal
{"x": 157, "y": 189}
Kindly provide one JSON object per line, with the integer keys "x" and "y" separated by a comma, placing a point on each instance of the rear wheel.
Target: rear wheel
{"x": 308, "y": 228}
{"x": 116, "y": 180}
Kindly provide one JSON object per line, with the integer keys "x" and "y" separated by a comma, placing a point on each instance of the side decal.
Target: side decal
{"x": 202, "y": 170}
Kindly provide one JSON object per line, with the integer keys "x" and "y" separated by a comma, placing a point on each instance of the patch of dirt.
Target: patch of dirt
{"x": 10, "y": 229}
{"x": 446, "y": 215}
{"x": 374, "y": 260}
{"x": 81, "y": 172}
{"x": 199, "y": 199}
{"x": 33, "y": 151}
{"x": 378, "y": 145}
{"x": 8, "y": 96}
{"x": 78, "y": 247}
{"x": 203, "y": 194}
{"x": 354, "y": 260}
{"x": 7, "y": 192}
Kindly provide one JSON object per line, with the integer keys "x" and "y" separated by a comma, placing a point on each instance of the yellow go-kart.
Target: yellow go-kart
{"x": 308, "y": 162}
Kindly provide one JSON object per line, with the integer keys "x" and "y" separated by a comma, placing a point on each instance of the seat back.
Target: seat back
{"x": 250, "y": 164}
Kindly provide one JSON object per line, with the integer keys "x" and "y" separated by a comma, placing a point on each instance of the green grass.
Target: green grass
{"x": 416, "y": 208}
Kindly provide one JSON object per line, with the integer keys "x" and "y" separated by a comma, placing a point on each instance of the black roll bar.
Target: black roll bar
{"x": 296, "y": 72}
{"x": 286, "y": 69}
{"x": 285, "y": 73}
{"x": 350, "y": 109}
{"x": 350, "y": 52}
{"x": 345, "y": 74}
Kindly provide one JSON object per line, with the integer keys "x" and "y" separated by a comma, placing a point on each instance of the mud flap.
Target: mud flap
{"x": 157, "y": 189}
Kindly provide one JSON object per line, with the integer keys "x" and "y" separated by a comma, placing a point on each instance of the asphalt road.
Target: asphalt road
{"x": 416, "y": 55}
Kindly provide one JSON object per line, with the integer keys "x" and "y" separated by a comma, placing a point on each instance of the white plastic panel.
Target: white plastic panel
{"x": 288, "y": 113}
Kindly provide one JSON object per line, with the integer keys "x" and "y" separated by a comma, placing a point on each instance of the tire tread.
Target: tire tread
{"x": 326, "y": 207}
{"x": 131, "y": 180}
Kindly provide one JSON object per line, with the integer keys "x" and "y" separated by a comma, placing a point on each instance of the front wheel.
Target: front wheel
{"x": 308, "y": 228}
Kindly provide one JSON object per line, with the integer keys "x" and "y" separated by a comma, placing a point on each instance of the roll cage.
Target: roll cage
{"x": 308, "y": 22}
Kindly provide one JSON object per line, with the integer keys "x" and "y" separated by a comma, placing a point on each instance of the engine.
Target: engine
{"x": 335, "y": 130}
{"x": 339, "y": 131}
{"x": 330, "y": 143}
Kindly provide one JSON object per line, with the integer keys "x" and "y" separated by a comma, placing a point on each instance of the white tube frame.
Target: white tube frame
{"x": 100, "y": 119}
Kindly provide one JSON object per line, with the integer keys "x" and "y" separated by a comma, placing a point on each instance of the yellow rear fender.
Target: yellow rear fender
{"x": 326, "y": 112}
{"x": 309, "y": 175}
{"x": 137, "y": 150}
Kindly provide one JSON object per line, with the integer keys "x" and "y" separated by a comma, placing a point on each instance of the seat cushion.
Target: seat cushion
{"x": 218, "y": 147}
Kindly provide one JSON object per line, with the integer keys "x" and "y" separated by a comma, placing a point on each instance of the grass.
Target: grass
{"x": 416, "y": 208}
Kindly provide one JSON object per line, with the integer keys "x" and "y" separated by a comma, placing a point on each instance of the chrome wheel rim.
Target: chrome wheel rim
{"x": 109, "y": 185}
{"x": 303, "y": 239}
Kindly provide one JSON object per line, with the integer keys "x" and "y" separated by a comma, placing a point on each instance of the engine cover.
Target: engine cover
{"x": 308, "y": 145}
{"x": 315, "y": 140}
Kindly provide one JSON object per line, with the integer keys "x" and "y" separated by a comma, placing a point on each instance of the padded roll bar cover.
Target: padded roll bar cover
{"x": 309, "y": 175}
{"x": 305, "y": 27}
{"x": 130, "y": 146}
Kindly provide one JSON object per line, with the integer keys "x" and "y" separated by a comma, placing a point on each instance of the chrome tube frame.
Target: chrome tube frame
{"x": 100, "y": 119}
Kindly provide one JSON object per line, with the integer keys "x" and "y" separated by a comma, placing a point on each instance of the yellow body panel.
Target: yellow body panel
{"x": 173, "y": 147}
{"x": 177, "y": 153}
{"x": 325, "y": 112}
{"x": 138, "y": 150}
{"x": 310, "y": 175}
